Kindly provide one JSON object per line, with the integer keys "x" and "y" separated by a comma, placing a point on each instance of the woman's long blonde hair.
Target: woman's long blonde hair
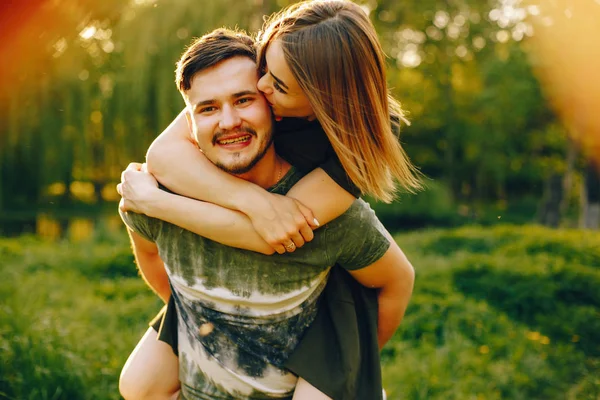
{"x": 333, "y": 52}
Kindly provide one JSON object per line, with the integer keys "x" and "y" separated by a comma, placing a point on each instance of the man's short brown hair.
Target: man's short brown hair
{"x": 209, "y": 50}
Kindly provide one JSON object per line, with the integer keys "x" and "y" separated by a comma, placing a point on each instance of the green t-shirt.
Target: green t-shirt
{"x": 241, "y": 313}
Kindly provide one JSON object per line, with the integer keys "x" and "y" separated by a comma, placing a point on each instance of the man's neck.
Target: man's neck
{"x": 268, "y": 171}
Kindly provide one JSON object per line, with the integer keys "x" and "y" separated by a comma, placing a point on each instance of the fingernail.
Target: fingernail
{"x": 316, "y": 222}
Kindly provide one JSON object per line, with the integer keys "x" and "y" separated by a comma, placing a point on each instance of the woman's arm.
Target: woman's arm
{"x": 142, "y": 195}
{"x": 233, "y": 228}
{"x": 322, "y": 195}
{"x": 176, "y": 162}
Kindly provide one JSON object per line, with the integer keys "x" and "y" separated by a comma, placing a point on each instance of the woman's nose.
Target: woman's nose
{"x": 263, "y": 84}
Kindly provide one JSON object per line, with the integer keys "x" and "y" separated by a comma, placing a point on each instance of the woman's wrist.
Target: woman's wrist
{"x": 153, "y": 203}
{"x": 252, "y": 201}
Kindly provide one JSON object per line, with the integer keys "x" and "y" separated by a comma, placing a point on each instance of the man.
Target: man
{"x": 242, "y": 313}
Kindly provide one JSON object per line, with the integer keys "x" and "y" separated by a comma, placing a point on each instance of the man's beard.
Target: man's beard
{"x": 242, "y": 169}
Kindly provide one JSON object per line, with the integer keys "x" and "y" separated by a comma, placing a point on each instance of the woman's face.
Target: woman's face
{"x": 281, "y": 88}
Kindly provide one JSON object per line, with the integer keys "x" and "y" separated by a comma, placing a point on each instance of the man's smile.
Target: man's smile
{"x": 234, "y": 140}
{"x": 239, "y": 139}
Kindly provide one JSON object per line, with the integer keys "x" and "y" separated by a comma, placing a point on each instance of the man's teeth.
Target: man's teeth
{"x": 235, "y": 140}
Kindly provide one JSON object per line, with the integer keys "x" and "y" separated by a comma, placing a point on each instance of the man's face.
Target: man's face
{"x": 229, "y": 117}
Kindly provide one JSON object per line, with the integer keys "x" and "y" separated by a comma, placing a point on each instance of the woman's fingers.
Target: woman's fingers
{"x": 297, "y": 239}
{"x": 279, "y": 248}
{"x": 287, "y": 226}
{"x": 307, "y": 233}
{"x": 308, "y": 215}
{"x": 135, "y": 166}
{"x": 290, "y": 247}
{"x": 306, "y": 222}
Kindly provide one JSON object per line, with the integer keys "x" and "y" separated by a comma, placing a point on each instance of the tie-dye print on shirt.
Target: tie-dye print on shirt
{"x": 242, "y": 313}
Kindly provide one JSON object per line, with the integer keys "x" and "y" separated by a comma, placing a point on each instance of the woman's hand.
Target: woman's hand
{"x": 283, "y": 222}
{"x": 137, "y": 188}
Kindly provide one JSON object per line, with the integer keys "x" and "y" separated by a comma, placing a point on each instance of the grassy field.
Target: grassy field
{"x": 498, "y": 313}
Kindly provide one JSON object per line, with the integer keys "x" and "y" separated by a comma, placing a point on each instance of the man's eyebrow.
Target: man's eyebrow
{"x": 204, "y": 103}
{"x": 279, "y": 80}
{"x": 245, "y": 93}
{"x": 235, "y": 96}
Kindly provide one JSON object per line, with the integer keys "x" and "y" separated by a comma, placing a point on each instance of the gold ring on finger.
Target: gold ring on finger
{"x": 290, "y": 247}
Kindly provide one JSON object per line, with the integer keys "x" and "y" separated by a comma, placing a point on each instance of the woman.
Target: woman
{"x": 323, "y": 65}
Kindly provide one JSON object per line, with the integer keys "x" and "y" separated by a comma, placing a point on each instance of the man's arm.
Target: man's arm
{"x": 150, "y": 264}
{"x": 394, "y": 276}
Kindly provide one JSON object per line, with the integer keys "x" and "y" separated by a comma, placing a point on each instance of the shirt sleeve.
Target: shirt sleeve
{"x": 141, "y": 224}
{"x": 357, "y": 237}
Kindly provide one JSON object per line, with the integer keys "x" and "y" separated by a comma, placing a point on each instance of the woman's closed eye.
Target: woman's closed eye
{"x": 278, "y": 87}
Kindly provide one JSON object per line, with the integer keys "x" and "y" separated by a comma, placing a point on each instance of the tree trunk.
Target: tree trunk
{"x": 568, "y": 179}
{"x": 98, "y": 186}
{"x": 590, "y": 210}
{"x": 550, "y": 212}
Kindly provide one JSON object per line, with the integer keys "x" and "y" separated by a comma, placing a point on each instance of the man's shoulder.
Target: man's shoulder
{"x": 358, "y": 220}
{"x": 141, "y": 224}
{"x": 357, "y": 236}
{"x": 289, "y": 179}
{"x": 359, "y": 210}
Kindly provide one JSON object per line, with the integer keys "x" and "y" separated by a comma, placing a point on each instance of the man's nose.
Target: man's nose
{"x": 230, "y": 118}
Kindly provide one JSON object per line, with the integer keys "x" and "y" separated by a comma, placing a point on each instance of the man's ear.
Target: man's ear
{"x": 188, "y": 118}
{"x": 190, "y": 122}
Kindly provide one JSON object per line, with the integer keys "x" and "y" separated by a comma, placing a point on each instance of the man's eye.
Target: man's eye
{"x": 244, "y": 100}
{"x": 207, "y": 109}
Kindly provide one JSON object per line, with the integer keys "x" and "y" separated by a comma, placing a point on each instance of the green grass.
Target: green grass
{"x": 497, "y": 313}
{"x": 70, "y": 316}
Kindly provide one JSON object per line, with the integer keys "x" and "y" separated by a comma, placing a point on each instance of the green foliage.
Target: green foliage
{"x": 79, "y": 107}
{"x": 488, "y": 319}
{"x": 434, "y": 206}
{"x": 66, "y": 328}
{"x": 542, "y": 278}
{"x": 116, "y": 265}
{"x": 497, "y": 313}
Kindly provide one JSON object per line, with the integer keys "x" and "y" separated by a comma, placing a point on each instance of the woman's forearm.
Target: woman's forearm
{"x": 322, "y": 195}
{"x": 228, "y": 227}
{"x": 177, "y": 163}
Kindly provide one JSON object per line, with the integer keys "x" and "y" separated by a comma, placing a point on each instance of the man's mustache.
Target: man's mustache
{"x": 219, "y": 135}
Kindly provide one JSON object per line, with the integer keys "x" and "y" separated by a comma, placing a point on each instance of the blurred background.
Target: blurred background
{"x": 503, "y": 98}
{"x": 87, "y": 85}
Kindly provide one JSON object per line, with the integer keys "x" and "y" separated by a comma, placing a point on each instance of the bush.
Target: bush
{"x": 559, "y": 299}
{"x": 491, "y": 319}
{"x": 116, "y": 264}
{"x": 432, "y": 207}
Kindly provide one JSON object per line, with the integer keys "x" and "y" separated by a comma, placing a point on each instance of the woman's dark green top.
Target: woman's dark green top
{"x": 304, "y": 144}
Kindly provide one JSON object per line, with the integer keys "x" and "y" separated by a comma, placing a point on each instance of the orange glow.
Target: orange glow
{"x": 567, "y": 57}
